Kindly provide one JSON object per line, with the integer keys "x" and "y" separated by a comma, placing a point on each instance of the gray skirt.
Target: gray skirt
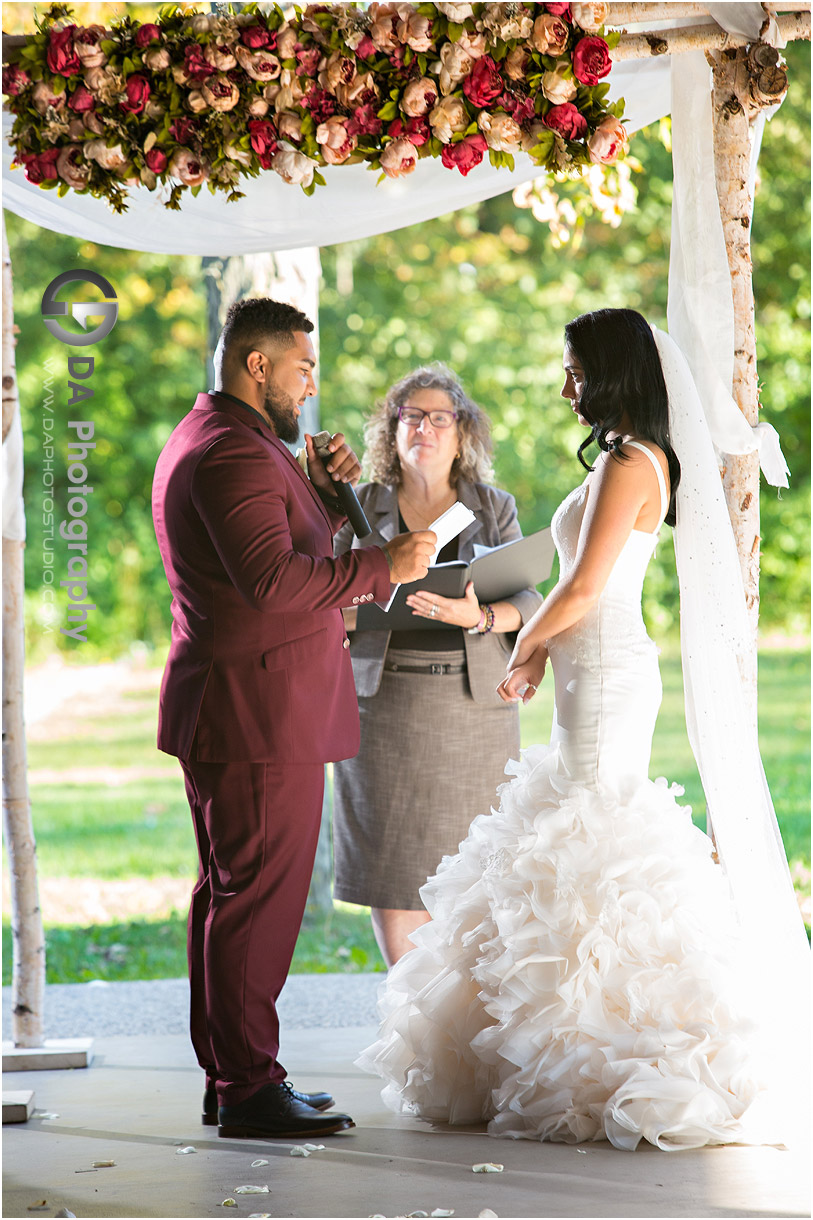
{"x": 430, "y": 761}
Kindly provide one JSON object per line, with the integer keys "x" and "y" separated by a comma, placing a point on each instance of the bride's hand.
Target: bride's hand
{"x": 522, "y": 680}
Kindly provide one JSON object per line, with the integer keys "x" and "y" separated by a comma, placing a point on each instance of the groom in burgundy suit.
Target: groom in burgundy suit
{"x": 258, "y": 692}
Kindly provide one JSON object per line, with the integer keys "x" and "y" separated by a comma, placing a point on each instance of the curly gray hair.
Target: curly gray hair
{"x": 473, "y": 463}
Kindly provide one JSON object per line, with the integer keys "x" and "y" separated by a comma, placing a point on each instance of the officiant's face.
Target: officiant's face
{"x": 290, "y": 383}
{"x": 574, "y": 382}
{"x": 425, "y": 447}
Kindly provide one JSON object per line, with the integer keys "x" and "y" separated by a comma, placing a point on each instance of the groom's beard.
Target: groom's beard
{"x": 280, "y": 409}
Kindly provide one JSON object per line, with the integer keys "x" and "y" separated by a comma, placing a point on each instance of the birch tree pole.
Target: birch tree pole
{"x": 28, "y": 979}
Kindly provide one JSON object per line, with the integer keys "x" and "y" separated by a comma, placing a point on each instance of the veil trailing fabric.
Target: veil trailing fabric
{"x": 714, "y": 629}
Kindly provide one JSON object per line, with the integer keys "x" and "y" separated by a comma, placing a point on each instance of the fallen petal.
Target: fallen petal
{"x": 441, "y": 1211}
{"x": 297, "y": 1150}
{"x": 185, "y": 1151}
{"x": 582, "y": 1151}
{"x": 314, "y": 1147}
{"x": 44, "y": 1114}
{"x": 487, "y": 1167}
{"x": 251, "y": 1190}
{"x": 63, "y": 1214}
{"x": 422, "y": 1214}
{"x": 229, "y": 1203}
{"x": 487, "y": 1214}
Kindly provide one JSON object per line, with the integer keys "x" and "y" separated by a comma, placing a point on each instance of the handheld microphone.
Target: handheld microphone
{"x": 344, "y": 492}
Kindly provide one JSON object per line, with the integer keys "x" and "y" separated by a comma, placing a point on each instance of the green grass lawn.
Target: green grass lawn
{"x": 142, "y": 829}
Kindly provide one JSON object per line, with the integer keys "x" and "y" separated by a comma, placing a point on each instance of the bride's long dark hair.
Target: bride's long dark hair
{"x": 622, "y": 379}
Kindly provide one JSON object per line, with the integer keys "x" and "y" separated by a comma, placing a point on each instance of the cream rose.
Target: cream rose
{"x": 419, "y": 97}
{"x": 196, "y": 102}
{"x": 608, "y": 142}
{"x": 353, "y": 94}
{"x": 516, "y": 63}
{"x": 591, "y": 17}
{"x": 399, "y": 158}
{"x": 557, "y": 87}
{"x": 335, "y": 141}
{"x": 458, "y": 13}
{"x": 258, "y": 107}
{"x": 69, "y": 171}
{"x": 338, "y": 70}
{"x": 241, "y": 155}
{"x": 42, "y": 96}
{"x": 287, "y": 41}
{"x": 550, "y": 35}
{"x": 502, "y": 133}
{"x": 448, "y": 117}
{"x": 289, "y": 126}
{"x": 294, "y": 167}
{"x": 157, "y": 59}
{"x": 221, "y": 93}
{"x": 455, "y": 66}
{"x": 109, "y": 158}
{"x": 415, "y": 30}
{"x": 260, "y": 65}
{"x": 505, "y": 26}
{"x": 188, "y": 167}
{"x": 219, "y": 57}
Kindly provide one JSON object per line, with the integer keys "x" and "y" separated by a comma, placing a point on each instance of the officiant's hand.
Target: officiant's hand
{"x": 343, "y": 467}
{"x": 459, "y": 611}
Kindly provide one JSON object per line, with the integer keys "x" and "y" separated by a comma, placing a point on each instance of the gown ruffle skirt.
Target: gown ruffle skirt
{"x": 583, "y": 975}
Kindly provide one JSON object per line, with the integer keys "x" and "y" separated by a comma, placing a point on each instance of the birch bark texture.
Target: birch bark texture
{"x": 28, "y": 969}
{"x": 745, "y": 81}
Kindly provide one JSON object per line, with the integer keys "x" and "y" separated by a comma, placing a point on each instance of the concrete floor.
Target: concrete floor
{"x": 140, "y": 1101}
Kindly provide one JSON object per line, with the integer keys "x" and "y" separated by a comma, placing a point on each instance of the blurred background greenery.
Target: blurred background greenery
{"x": 485, "y": 289}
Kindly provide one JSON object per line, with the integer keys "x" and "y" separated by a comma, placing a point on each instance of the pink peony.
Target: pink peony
{"x": 591, "y": 60}
{"x": 70, "y": 167}
{"x": 61, "y": 57}
{"x": 465, "y": 155}
{"x": 15, "y": 80}
{"x": 568, "y": 120}
{"x": 43, "y": 98}
{"x": 399, "y": 158}
{"x": 257, "y": 37}
{"x": 366, "y": 48}
{"x": 484, "y": 84}
{"x": 138, "y": 92}
{"x": 86, "y": 44}
{"x": 419, "y": 97}
{"x": 263, "y": 140}
{"x": 608, "y": 142}
{"x": 335, "y": 141}
{"x": 559, "y": 10}
{"x": 383, "y": 26}
{"x": 416, "y": 130}
{"x": 147, "y": 33}
{"x": 550, "y": 35}
{"x": 156, "y": 160}
{"x": 308, "y": 60}
{"x": 188, "y": 167}
{"x": 81, "y": 100}
{"x": 362, "y": 91}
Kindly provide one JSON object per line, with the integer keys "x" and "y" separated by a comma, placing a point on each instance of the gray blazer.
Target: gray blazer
{"x": 486, "y": 655}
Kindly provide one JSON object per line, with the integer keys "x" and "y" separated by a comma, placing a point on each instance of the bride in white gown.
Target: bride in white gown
{"x": 582, "y": 976}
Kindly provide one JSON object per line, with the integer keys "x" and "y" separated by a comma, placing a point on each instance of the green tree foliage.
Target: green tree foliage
{"x": 484, "y": 290}
{"x": 145, "y": 376}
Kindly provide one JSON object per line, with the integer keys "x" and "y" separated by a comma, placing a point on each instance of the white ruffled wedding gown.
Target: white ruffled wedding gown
{"x": 579, "y": 978}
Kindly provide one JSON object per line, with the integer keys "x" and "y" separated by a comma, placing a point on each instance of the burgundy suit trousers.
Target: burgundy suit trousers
{"x": 257, "y": 826}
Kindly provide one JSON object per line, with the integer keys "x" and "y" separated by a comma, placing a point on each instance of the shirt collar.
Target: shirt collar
{"x": 241, "y": 403}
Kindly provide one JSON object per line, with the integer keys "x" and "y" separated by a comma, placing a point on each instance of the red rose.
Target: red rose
{"x": 591, "y": 60}
{"x": 147, "y": 33}
{"x": 364, "y": 122}
{"x": 196, "y": 66}
{"x": 366, "y": 48}
{"x": 560, "y": 10}
{"x": 263, "y": 140}
{"x": 82, "y": 100}
{"x": 568, "y": 120}
{"x": 416, "y": 130}
{"x": 15, "y": 80}
{"x": 62, "y": 58}
{"x": 156, "y": 160}
{"x": 183, "y": 130}
{"x": 465, "y": 155}
{"x": 484, "y": 84}
{"x": 138, "y": 92}
{"x": 257, "y": 36}
{"x": 42, "y": 167}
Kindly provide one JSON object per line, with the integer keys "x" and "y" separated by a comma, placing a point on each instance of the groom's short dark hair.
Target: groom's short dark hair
{"x": 255, "y": 321}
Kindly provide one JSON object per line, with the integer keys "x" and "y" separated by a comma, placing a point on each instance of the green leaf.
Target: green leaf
{"x": 63, "y": 189}
{"x": 388, "y": 112}
{"x": 318, "y": 178}
{"x": 58, "y": 84}
{"x": 455, "y": 31}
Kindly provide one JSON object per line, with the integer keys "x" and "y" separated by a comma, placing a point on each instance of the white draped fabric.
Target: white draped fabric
{"x": 276, "y": 216}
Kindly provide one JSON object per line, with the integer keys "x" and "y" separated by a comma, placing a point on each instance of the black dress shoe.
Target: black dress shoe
{"x": 276, "y": 1112}
{"x": 317, "y": 1101}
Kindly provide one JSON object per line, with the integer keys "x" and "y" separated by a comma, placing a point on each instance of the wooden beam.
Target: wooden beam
{"x": 792, "y": 27}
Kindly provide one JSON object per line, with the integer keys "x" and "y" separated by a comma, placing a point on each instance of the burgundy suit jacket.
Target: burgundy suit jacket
{"x": 258, "y": 668}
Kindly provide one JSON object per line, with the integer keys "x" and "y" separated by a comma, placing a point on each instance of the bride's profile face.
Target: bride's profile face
{"x": 574, "y": 383}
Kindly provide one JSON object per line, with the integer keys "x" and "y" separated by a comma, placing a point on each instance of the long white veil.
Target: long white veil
{"x": 714, "y": 629}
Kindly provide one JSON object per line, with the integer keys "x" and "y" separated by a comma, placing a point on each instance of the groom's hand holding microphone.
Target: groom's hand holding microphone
{"x": 333, "y": 466}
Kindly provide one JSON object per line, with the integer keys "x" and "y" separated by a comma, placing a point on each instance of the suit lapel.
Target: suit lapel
{"x": 468, "y": 494}
{"x": 382, "y": 511}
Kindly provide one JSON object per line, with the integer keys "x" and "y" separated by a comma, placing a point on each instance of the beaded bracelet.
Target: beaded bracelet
{"x": 485, "y": 622}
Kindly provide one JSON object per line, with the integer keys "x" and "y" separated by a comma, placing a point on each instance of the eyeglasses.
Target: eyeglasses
{"x": 413, "y": 417}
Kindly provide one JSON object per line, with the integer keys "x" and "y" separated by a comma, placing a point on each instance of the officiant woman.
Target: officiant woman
{"x": 435, "y": 736}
